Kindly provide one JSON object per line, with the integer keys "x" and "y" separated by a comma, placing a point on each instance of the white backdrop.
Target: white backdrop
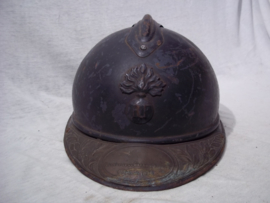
{"x": 41, "y": 46}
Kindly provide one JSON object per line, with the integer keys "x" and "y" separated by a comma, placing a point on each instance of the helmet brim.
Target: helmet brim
{"x": 140, "y": 166}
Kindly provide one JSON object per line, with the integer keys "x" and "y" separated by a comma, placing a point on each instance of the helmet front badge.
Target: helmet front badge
{"x": 141, "y": 80}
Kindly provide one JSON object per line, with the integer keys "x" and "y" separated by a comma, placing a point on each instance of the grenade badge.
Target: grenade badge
{"x": 141, "y": 80}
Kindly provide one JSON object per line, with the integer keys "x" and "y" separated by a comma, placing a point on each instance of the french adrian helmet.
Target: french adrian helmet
{"x": 145, "y": 117}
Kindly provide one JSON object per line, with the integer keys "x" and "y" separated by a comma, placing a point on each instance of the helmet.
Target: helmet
{"x": 145, "y": 114}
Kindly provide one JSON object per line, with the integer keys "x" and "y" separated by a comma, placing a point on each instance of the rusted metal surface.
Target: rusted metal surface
{"x": 145, "y": 111}
{"x": 143, "y": 167}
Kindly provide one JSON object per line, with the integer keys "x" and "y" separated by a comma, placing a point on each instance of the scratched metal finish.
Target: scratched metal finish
{"x": 185, "y": 109}
{"x": 145, "y": 117}
{"x": 142, "y": 167}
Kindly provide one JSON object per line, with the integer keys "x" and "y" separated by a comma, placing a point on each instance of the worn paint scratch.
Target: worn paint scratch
{"x": 163, "y": 125}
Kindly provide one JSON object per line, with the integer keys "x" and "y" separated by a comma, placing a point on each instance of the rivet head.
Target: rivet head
{"x": 143, "y": 47}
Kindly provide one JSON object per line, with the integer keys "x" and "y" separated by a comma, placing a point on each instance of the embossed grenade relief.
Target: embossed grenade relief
{"x": 141, "y": 80}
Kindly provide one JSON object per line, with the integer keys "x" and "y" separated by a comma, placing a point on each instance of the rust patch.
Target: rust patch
{"x": 96, "y": 65}
{"x": 134, "y": 165}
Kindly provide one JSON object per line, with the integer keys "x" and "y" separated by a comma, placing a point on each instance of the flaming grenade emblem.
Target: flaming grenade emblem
{"x": 141, "y": 80}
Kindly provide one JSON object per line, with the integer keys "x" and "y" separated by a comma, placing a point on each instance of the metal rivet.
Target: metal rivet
{"x": 143, "y": 47}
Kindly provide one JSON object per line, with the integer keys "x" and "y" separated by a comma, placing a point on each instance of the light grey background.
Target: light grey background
{"x": 41, "y": 46}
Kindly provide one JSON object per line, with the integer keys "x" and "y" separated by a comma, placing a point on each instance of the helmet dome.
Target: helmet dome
{"x": 146, "y": 84}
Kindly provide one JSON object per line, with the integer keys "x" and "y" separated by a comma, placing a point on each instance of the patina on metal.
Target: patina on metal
{"x": 145, "y": 114}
